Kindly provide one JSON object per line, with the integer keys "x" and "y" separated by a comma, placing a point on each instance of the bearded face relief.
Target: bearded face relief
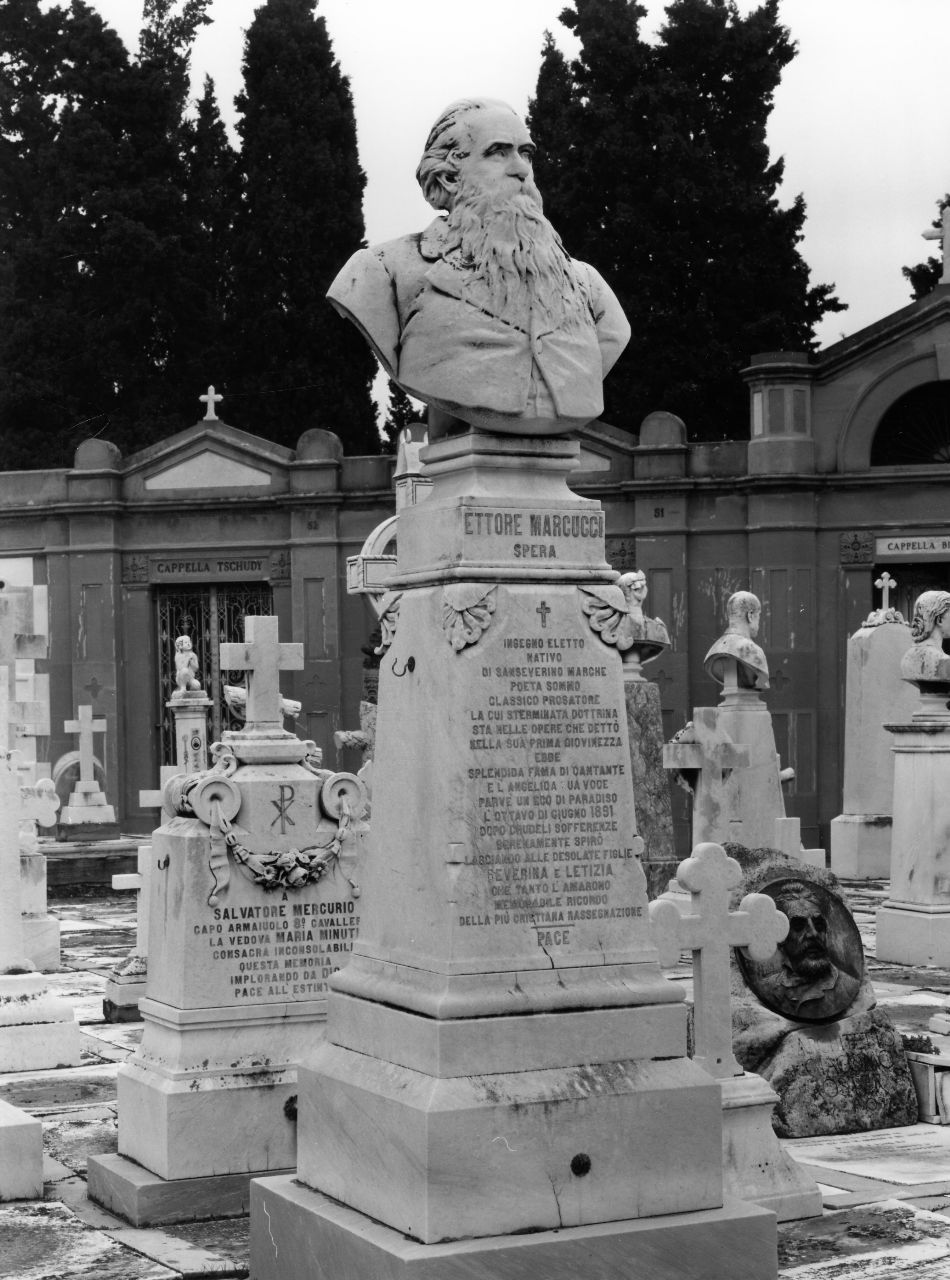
{"x": 485, "y": 316}
{"x": 814, "y": 975}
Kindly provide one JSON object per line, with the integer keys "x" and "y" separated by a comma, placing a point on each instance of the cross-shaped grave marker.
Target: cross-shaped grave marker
{"x": 211, "y": 399}
{"x": 709, "y": 930}
{"x": 86, "y": 726}
{"x": 941, "y": 233}
{"x": 884, "y": 584}
{"x": 263, "y": 658}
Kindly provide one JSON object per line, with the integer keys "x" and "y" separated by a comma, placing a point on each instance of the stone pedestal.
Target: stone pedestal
{"x": 126, "y": 984}
{"x": 37, "y": 1029}
{"x": 252, "y": 907}
{"x": 913, "y": 925}
{"x": 755, "y": 1165}
{"x": 651, "y": 784}
{"x": 503, "y": 1018}
{"x": 876, "y": 695}
{"x": 41, "y": 931}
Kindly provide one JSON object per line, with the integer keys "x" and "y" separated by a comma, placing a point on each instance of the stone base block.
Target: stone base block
{"x": 41, "y": 942}
{"x": 197, "y": 1124}
{"x": 909, "y": 935}
{"x": 37, "y": 1029}
{"x": 755, "y": 1165}
{"x": 83, "y": 830}
{"x": 861, "y": 846}
{"x": 811, "y": 857}
{"x": 21, "y": 1155}
{"x": 509, "y": 1151}
{"x": 121, "y": 1000}
{"x": 144, "y": 1199}
{"x": 301, "y": 1233}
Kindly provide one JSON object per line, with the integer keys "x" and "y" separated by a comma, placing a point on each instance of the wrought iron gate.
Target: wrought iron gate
{"x": 209, "y": 615}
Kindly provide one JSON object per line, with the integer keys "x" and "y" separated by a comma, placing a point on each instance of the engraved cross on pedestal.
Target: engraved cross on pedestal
{"x": 211, "y": 400}
{"x": 85, "y": 726}
{"x": 263, "y": 658}
{"x": 884, "y": 584}
{"x": 709, "y": 930}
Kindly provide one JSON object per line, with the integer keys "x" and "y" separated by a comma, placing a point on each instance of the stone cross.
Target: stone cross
{"x": 263, "y": 658}
{"x": 211, "y": 400}
{"x": 884, "y": 584}
{"x": 941, "y": 233}
{"x": 709, "y": 930}
{"x": 85, "y": 726}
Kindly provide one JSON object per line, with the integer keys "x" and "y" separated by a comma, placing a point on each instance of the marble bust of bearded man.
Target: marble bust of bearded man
{"x": 484, "y": 316}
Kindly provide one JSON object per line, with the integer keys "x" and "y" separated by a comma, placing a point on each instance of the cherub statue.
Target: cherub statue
{"x": 186, "y": 667}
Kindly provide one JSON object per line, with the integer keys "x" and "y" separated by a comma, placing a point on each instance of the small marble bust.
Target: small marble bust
{"x": 186, "y": 668}
{"x": 643, "y": 638}
{"x": 927, "y": 661}
{"x": 736, "y": 647}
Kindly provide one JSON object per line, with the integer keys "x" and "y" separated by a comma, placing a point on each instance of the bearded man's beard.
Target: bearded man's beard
{"x": 518, "y": 256}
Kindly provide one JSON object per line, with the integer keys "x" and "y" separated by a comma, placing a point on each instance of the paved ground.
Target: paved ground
{"x": 887, "y": 1195}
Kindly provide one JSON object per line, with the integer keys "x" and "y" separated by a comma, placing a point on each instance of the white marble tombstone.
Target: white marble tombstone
{"x": 875, "y": 696}
{"x": 254, "y": 903}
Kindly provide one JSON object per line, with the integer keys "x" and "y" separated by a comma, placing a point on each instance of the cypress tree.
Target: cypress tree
{"x": 299, "y": 365}
{"x": 924, "y": 277}
{"x": 654, "y": 167}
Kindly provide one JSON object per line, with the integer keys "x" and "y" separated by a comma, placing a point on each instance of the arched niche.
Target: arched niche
{"x": 915, "y": 430}
{"x": 856, "y": 440}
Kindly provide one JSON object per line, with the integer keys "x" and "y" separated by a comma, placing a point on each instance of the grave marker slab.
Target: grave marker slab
{"x": 253, "y": 904}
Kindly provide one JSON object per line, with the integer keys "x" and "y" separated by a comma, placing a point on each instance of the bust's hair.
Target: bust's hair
{"x": 447, "y": 144}
{"x": 796, "y": 889}
{"x": 929, "y": 609}
{"x": 741, "y": 603}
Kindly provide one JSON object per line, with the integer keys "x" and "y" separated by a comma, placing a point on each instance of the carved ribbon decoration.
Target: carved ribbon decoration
{"x": 606, "y": 607}
{"x": 388, "y": 616}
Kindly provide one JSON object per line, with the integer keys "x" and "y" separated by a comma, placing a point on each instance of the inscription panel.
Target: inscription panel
{"x": 552, "y": 831}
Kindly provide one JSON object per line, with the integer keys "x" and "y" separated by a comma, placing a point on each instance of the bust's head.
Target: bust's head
{"x": 475, "y": 142}
{"x": 743, "y": 611}
{"x": 634, "y": 586}
{"x": 806, "y": 946}
{"x": 931, "y": 620}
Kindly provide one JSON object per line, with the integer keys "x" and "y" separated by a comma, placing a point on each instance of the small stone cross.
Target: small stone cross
{"x": 85, "y": 726}
{"x": 211, "y": 399}
{"x": 884, "y": 584}
{"x": 709, "y": 930}
{"x": 263, "y": 658}
{"x": 543, "y": 609}
{"x": 941, "y": 233}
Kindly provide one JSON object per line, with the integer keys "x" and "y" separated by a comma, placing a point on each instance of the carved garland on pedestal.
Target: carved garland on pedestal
{"x": 215, "y": 800}
{"x": 388, "y": 609}
{"x": 607, "y": 612}
{"x": 467, "y": 610}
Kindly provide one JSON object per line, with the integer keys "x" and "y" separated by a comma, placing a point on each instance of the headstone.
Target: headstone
{"x": 254, "y": 902}
{"x": 502, "y": 1017}
{"x": 24, "y": 638}
{"x": 189, "y": 706}
{"x": 755, "y": 1167}
{"x": 875, "y": 696}
{"x": 806, "y": 1019}
{"x": 726, "y": 756}
{"x": 913, "y": 925}
{"x": 37, "y": 1028}
{"x": 41, "y": 931}
{"x": 644, "y": 639}
{"x": 88, "y": 815}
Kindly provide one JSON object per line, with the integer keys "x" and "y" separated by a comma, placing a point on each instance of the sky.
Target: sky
{"x": 861, "y": 115}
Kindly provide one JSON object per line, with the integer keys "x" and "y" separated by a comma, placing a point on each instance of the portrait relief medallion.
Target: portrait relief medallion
{"x": 815, "y": 974}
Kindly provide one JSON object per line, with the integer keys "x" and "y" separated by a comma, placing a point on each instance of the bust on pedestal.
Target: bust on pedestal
{"x": 727, "y": 755}
{"x": 913, "y": 926}
{"x": 503, "y": 1017}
